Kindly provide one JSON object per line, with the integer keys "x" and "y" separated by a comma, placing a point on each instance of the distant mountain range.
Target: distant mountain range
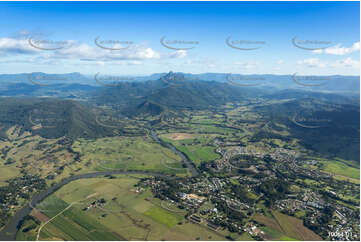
{"x": 153, "y": 97}
{"x": 107, "y": 110}
{"x": 334, "y": 84}
{"x": 176, "y": 91}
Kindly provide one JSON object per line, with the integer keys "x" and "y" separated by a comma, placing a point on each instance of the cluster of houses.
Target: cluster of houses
{"x": 236, "y": 205}
{"x": 195, "y": 191}
{"x": 280, "y": 154}
{"x": 307, "y": 201}
{"x": 253, "y": 230}
{"x": 17, "y": 189}
{"x": 346, "y": 225}
{"x": 191, "y": 199}
{"x": 205, "y": 185}
{"x": 96, "y": 204}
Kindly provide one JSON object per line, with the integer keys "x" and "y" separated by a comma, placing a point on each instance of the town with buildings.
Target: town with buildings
{"x": 230, "y": 195}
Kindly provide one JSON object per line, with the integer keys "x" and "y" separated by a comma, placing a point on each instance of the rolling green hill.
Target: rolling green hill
{"x": 50, "y": 118}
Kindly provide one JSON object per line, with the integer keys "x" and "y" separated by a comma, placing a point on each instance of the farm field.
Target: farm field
{"x": 196, "y": 146}
{"x": 251, "y": 168}
{"x": 128, "y": 213}
{"x": 7, "y": 172}
{"x": 342, "y": 169}
{"x": 179, "y": 136}
{"x": 127, "y": 153}
{"x": 279, "y": 226}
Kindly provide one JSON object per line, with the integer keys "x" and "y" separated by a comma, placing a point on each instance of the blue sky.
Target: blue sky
{"x": 327, "y": 35}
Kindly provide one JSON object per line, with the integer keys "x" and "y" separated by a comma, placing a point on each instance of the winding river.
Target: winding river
{"x": 11, "y": 228}
{"x": 185, "y": 159}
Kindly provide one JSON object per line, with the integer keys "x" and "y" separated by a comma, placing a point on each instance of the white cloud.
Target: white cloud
{"x": 76, "y": 51}
{"x": 86, "y": 52}
{"x": 246, "y": 65}
{"x": 178, "y": 54}
{"x": 339, "y": 50}
{"x": 134, "y": 63}
{"x": 100, "y": 63}
{"x": 16, "y": 46}
{"x": 204, "y": 62}
{"x": 83, "y": 52}
{"x": 311, "y": 62}
{"x": 345, "y": 63}
{"x": 348, "y": 62}
{"x": 277, "y": 68}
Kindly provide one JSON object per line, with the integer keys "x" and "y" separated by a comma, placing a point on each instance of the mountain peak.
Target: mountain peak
{"x": 172, "y": 76}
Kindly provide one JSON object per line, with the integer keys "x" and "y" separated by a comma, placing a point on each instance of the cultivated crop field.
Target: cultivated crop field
{"x": 127, "y": 153}
{"x": 198, "y": 147}
{"x": 75, "y": 212}
{"x": 279, "y": 226}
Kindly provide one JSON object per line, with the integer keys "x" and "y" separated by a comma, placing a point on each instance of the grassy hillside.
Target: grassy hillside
{"x": 50, "y": 118}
